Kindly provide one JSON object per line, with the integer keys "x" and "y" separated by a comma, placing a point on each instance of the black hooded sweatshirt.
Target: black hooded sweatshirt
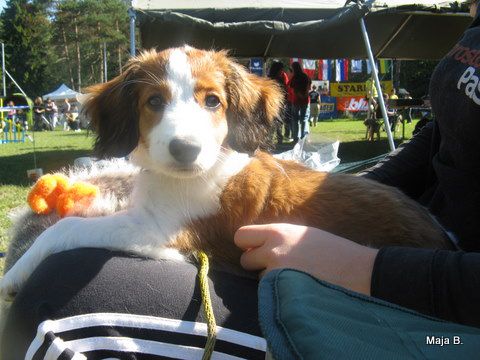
{"x": 440, "y": 168}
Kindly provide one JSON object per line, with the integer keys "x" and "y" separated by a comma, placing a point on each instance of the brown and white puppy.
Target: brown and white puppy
{"x": 190, "y": 118}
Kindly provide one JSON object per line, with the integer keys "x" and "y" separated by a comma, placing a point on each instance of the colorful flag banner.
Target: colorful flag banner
{"x": 338, "y": 70}
{"x": 323, "y": 69}
{"x": 309, "y": 67}
{"x": 356, "y": 66}
{"x": 341, "y": 69}
{"x": 384, "y": 66}
{"x": 292, "y": 60}
{"x": 345, "y": 66}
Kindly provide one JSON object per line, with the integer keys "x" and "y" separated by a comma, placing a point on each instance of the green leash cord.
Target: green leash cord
{"x": 207, "y": 305}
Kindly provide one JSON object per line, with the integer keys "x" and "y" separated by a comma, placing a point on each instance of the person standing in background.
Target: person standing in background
{"x": 50, "y": 112}
{"x": 278, "y": 74}
{"x": 11, "y": 112}
{"x": 372, "y": 97}
{"x": 300, "y": 84}
{"x": 38, "y": 111}
{"x": 315, "y": 101}
{"x": 289, "y": 109}
{"x": 65, "y": 109}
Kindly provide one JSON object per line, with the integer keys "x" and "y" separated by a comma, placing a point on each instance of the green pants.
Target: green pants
{"x": 304, "y": 318}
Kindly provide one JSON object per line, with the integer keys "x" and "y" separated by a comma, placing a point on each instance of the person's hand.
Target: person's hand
{"x": 317, "y": 252}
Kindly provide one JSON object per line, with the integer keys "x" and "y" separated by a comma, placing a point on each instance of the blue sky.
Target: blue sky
{"x": 2, "y": 4}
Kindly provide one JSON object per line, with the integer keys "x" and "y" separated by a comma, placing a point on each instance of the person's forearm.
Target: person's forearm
{"x": 322, "y": 254}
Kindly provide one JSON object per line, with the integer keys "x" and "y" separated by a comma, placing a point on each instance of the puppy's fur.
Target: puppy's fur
{"x": 191, "y": 119}
{"x": 114, "y": 179}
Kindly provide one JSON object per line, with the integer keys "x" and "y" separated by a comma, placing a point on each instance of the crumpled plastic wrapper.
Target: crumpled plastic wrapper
{"x": 320, "y": 155}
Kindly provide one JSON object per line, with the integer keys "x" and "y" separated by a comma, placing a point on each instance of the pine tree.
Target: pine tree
{"x": 65, "y": 20}
{"x": 82, "y": 29}
{"x": 30, "y": 58}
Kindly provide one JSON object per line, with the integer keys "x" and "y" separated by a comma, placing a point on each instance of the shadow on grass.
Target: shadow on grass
{"x": 75, "y": 134}
{"x": 363, "y": 150}
{"x": 13, "y": 168}
{"x": 59, "y": 148}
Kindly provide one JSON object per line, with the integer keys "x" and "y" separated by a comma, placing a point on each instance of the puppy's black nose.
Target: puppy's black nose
{"x": 184, "y": 150}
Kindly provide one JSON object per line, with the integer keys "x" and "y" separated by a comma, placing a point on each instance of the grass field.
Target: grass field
{"x": 57, "y": 149}
{"x": 54, "y": 150}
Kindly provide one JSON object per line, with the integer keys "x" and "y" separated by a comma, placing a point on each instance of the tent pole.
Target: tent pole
{"x": 268, "y": 46}
{"x": 377, "y": 84}
{"x": 3, "y": 72}
{"x": 18, "y": 86}
{"x": 395, "y": 34}
{"x": 105, "y": 71}
{"x": 131, "y": 14}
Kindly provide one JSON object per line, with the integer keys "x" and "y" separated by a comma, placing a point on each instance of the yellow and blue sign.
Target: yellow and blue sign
{"x": 349, "y": 89}
{"x": 328, "y": 107}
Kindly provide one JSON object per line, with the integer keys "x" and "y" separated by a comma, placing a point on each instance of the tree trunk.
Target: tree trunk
{"x": 92, "y": 74}
{"x": 119, "y": 50}
{"x": 79, "y": 61}
{"x": 100, "y": 46}
{"x": 67, "y": 56}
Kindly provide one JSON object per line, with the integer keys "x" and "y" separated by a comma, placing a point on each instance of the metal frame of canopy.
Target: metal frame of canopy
{"x": 361, "y": 6}
{"x": 5, "y": 73}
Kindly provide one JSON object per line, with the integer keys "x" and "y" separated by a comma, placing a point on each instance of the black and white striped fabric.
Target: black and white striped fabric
{"x": 90, "y": 335}
{"x": 96, "y": 304}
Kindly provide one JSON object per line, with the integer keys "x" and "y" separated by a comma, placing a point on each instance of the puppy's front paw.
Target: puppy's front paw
{"x": 11, "y": 284}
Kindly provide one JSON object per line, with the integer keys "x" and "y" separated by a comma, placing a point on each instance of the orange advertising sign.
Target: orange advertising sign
{"x": 352, "y": 103}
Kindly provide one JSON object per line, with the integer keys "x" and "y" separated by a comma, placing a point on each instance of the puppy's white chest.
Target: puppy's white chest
{"x": 166, "y": 205}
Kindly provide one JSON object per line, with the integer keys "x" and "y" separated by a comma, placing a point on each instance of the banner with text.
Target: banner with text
{"x": 352, "y": 103}
{"x": 328, "y": 107}
{"x": 343, "y": 89}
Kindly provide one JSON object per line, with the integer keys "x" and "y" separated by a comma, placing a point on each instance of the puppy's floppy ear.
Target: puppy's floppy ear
{"x": 254, "y": 104}
{"x": 113, "y": 111}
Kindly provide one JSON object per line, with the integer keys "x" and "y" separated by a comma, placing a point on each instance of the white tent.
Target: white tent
{"x": 63, "y": 92}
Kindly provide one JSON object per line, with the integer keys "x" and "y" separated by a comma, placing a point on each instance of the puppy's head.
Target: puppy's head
{"x": 181, "y": 109}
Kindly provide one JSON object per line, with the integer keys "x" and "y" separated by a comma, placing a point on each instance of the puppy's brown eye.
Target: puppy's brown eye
{"x": 212, "y": 101}
{"x": 156, "y": 103}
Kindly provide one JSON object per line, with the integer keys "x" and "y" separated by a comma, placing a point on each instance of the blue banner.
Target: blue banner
{"x": 256, "y": 66}
{"x": 328, "y": 107}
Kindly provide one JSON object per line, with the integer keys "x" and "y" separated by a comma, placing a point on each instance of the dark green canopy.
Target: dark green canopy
{"x": 397, "y": 29}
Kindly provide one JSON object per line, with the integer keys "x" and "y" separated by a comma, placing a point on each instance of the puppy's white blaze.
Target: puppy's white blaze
{"x": 179, "y": 75}
{"x": 184, "y": 118}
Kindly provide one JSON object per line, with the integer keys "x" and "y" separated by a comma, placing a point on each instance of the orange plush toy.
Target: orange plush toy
{"x": 55, "y": 191}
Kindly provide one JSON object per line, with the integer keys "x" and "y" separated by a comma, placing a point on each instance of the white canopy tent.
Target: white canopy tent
{"x": 311, "y": 29}
{"x": 62, "y": 93}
